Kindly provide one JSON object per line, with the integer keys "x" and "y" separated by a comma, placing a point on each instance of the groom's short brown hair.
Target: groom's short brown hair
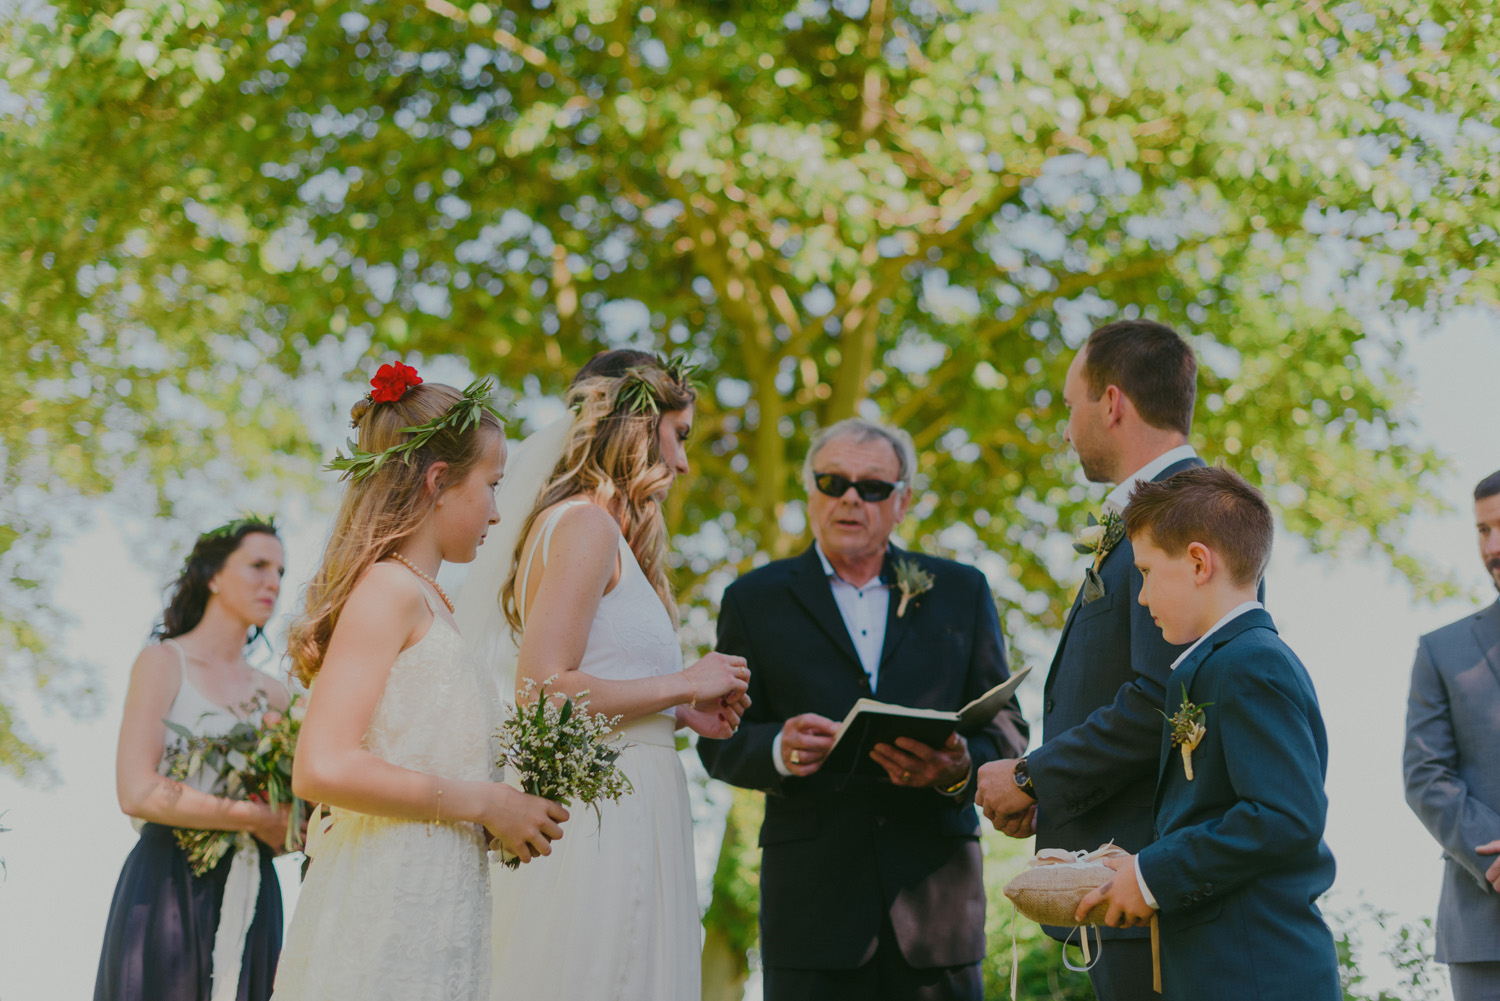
{"x": 1211, "y": 505}
{"x": 1150, "y": 364}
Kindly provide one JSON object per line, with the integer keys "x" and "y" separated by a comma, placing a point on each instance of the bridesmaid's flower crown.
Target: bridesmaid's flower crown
{"x": 246, "y": 519}
{"x": 390, "y": 384}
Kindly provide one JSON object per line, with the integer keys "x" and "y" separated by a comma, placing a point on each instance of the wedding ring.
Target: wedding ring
{"x": 906, "y": 776}
{"x": 796, "y": 758}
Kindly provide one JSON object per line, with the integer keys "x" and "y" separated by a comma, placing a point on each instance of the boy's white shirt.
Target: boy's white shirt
{"x": 1236, "y": 612}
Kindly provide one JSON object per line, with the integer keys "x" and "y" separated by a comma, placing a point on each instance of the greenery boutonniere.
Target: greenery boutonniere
{"x": 1096, "y": 540}
{"x": 911, "y": 580}
{"x": 1189, "y": 727}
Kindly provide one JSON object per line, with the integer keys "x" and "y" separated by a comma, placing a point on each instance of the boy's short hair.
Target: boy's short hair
{"x": 1211, "y": 505}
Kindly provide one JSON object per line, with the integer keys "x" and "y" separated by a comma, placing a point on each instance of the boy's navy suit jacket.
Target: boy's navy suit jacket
{"x": 1239, "y": 861}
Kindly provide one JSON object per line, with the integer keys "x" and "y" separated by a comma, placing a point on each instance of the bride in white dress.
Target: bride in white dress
{"x": 613, "y": 912}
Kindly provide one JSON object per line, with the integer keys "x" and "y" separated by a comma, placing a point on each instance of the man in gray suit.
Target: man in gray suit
{"x": 1452, "y": 767}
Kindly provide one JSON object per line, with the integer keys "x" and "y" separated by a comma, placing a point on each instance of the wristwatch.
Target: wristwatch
{"x": 1023, "y": 779}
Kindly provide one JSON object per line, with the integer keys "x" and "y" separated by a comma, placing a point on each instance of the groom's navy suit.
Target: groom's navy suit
{"x": 1240, "y": 859}
{"x": 847, "y": 864}
{"x": 1095, "y": 772}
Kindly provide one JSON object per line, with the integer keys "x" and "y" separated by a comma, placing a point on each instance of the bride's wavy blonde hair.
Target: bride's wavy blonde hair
{"x": 613, "y": 457}
{"x": 380, "y": 510}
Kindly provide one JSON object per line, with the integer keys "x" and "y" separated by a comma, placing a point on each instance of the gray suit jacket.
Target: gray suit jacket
{"x": 1452, "y": 770}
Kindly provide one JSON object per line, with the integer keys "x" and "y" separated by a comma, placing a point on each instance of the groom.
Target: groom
{"x": 868, "y": 889}
{"x": 1130, "y": 394}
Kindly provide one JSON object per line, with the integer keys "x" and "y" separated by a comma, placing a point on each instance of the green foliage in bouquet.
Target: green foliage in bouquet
{"x": 248, "y": 763}
{"x": 560, "y": 750}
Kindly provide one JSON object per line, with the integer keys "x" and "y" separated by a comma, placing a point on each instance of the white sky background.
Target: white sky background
{"x": 1351, "y": 619}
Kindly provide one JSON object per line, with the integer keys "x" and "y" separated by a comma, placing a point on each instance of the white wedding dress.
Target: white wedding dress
{"x": 399, "y": 909}
{"x": 613, "y": 911}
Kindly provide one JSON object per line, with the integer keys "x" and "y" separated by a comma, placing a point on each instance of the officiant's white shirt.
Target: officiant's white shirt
{"x": 1234, "y": 613}
{"x": 1117, "y": 498}
{"x": 863, "y": 609}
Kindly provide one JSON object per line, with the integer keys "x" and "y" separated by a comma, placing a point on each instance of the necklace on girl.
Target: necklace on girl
{"x": 420, "y": 573}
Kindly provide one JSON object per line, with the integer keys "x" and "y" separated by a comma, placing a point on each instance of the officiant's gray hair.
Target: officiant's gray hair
{"x": 862, "y": 431}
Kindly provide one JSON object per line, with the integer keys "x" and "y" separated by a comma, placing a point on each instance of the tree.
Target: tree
{"x": 918, "y": 207}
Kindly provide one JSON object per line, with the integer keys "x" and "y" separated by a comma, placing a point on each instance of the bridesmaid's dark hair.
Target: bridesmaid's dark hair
{"x": 189, "y": 592}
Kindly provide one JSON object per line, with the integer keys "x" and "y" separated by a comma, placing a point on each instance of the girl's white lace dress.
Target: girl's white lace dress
{"x": 613, "y": 911}
{"x": 397, "y": 909}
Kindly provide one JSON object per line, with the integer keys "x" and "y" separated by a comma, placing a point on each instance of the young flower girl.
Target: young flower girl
{"x": 399, "y": 723}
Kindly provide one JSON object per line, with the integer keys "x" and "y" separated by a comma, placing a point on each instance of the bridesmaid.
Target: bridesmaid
{"x": 159, "y": 941}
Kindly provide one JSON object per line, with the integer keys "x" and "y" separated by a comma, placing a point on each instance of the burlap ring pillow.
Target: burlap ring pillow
{"x": 1053, "y": 883}
{"x": 1049, "y": 890}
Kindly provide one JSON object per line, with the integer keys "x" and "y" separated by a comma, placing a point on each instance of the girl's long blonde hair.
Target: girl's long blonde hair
{"x": 380, "y": 510}
{"x": 613, "y": 457}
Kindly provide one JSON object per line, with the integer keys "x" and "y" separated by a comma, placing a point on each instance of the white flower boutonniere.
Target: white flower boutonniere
{"x": 1189, "y": 727}
{"x": 911, "y": 580}
{"x": 1096, "y": 540}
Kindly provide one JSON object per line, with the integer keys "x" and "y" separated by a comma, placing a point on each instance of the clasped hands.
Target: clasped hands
{"x": 1006, "y": 806}
{"x": 807, "y": 739}
{"x": 1493, "y": 872}
{"x": 720, "y": 684}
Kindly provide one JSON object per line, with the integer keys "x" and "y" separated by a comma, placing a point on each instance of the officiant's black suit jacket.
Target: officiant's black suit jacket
{"x": 836, "y": 858}
{"x": 1095, "y": 773}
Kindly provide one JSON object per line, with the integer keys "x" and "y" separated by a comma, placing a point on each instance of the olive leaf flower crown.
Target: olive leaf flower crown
{"x": 638, "y": 396}
{"x": 230, "y": 528}
{"x": 464, "y": 415}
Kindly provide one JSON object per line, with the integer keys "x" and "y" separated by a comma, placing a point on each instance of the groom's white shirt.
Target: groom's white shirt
{"x": 864, "y": 611}
{"x": 1117, "y": 498}
{"x": 1234, "y": 613}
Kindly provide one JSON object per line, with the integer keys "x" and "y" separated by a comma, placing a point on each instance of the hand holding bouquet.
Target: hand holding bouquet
{"x": 558, "y": 750}
{"x": 249, "y": 763}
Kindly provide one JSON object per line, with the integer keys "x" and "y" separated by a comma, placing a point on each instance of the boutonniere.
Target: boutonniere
{"x": 1096, "y": 540}
{"x": 1189, "y": 727}
{"x": 911, "y": 580}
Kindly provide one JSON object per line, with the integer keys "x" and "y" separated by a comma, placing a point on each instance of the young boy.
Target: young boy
{"x": 1239, "y": 859}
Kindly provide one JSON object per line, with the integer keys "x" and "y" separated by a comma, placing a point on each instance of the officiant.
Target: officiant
{"x": 870, "y": 887}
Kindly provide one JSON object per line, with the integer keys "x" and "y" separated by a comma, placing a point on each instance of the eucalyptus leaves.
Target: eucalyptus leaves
{"x": 248, "y": 762}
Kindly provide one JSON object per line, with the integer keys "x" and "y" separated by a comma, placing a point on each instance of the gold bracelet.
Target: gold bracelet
{"x": 693, "y": 691}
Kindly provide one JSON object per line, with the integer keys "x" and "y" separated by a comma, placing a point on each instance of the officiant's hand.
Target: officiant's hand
{"x": 1493, "y": 872}
{"x": 1127, "y": 907}
{"x": 1005, "y": 805}
{"x": 913, "y": 765}
{"x": 805, "y": 741}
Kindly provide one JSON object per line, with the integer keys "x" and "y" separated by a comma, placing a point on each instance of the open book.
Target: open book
{"x": 869, "y": 723}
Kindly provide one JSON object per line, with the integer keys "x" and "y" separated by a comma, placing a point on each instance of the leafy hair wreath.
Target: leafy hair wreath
{"x": 638, "y": 395}
{"x": 231, "y": 528}
{"x": 459, "y": 418}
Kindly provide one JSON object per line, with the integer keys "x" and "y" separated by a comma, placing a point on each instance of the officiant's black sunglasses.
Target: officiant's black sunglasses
{"x": 835, "y": 485}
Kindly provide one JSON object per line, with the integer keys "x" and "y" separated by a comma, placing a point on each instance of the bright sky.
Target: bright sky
{"x": 1352, "y": 620}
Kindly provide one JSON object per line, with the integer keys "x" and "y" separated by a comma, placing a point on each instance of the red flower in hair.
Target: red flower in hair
{"x": 392, "y": 382}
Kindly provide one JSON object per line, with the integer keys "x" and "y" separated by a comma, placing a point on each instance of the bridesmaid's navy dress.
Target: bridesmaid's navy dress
{"x": 159, "y": 942}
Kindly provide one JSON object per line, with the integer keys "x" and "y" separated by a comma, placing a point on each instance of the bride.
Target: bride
{"x": 613, "y": 912}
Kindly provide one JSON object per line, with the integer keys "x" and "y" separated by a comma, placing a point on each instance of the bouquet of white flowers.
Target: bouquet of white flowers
{"x": 559, "y": 751}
